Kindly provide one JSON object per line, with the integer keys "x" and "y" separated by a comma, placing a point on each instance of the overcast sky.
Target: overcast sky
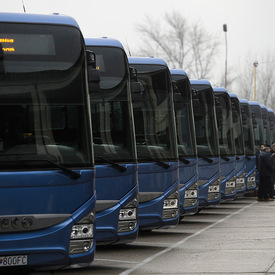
{"x": 250, "y": 23}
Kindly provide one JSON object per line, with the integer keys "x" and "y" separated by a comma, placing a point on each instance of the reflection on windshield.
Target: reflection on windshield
{"x": 153, "y": 114}
{"x": 205, "y": 122}
{"x": 42, "y": 100}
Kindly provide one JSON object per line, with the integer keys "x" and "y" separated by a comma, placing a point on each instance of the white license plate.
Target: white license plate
{"x": 13, "y": 260}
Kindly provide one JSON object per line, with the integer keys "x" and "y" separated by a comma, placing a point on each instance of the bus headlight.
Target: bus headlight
{"x": 127, "y": 214}
{"x": 170, "y": 206}
{"x": 128, "y": 217}
{"x": 82, "y": 235}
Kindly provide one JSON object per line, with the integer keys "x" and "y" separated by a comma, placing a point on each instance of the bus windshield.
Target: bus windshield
{"x": 112, "y": 119}
{"x": 185, "y": 120}
{"x": 205, "y": 122}
{"x": 43, "y": 97}
{"x": 153, "y": 114}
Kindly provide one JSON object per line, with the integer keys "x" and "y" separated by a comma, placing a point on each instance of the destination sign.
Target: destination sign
{"x": 27, "y": 44}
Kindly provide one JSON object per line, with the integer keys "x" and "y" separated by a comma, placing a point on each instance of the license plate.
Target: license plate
{"x": 13, "y": 260}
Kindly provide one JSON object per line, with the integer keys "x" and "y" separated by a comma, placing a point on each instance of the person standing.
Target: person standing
{"x": 265, "y": 167}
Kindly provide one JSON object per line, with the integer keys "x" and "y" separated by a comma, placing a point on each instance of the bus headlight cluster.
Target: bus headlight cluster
{"x": 251, "y": 180}
{"x": 82, "y": 235}
{"x": 170, "y": 206}
{"x": 230, "y": 186}
{"x": 128, "y": 217}
{"x": 214, "y": 190}
{"x": 191, "y": 196}
{"x": 240, "y": 182}
{"x": 191, "y": 192}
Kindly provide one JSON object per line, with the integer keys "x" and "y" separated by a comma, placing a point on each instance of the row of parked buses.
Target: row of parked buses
{"x": 96, "y": 146}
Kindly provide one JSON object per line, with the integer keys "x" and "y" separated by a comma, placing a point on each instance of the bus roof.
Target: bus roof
{"x": 244, "y": 101}
{"x": 147, "y": 60}
{"x": 220, "y": 89}
{"x": 103, "y": 41}
{"x": 178, "y": 71}
{"x": 254, "y": 103}
{"x": 200, "y": 81}
{"x": 233, "y": 95}
{"x": 37, "y": 18}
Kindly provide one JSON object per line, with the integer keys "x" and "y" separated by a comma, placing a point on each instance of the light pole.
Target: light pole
{"x": 256, "y": 64}
{"x": 225, "y": 72}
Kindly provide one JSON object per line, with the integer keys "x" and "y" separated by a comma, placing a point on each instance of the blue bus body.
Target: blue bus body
{"x": 47, "y": 196}
{"x": 258, "y": 130}
{"x": 226, "y": 143}
{"x": 114, "y": 145}
{"x": 239, "y": 144}
{"x": 207, "y": 144}
{"x": 187, "y": 149}
{"x": 158, "y": 172}
{"x": 249, "y": 146}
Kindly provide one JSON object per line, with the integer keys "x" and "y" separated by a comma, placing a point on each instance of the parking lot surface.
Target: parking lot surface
{"x": 236, "y": 237}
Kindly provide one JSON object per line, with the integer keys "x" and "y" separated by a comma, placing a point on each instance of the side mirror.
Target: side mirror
{"x": 195, "y": 102}
{"x": 218, "y": 107}
{"x": 177, "y": 101}
{"x": 254, "y": 121}
{"x": 244, "y": 119}
{"x": 93, "y": 73}
{"x": 235, "y": 116}
{"x": 136, "y": 87}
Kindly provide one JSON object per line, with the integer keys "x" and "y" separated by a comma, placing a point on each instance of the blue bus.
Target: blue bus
{"x": 258, "y": 130}
{"x": 249, "y": 147}
{"x": 226, "y": 143}
{"x": 114, "y": 145}
{"x": 187, "y": 149}
{"x": 239, "y": 144}
{"x": 207, "y": 144}
{"x": 47, "y": 197}
{"x": 156, "y": 141}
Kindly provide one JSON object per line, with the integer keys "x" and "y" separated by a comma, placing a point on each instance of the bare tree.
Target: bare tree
{"x": 265, "y": 79}
{"x": 182, "y": 45}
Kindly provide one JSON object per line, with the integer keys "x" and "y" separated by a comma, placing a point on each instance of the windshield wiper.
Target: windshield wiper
{"x": 70, "y": 172}
{"x": 119, "y": 167}
{"x": 206, "y": 158}
{"x": 225, "y": 158}
{"x": 159, "y": 162}
{"x": 184, "y": 160}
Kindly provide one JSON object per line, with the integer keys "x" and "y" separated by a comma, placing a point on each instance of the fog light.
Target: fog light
{"x": 80, "y": 246}
{"x": 126, "y": 226}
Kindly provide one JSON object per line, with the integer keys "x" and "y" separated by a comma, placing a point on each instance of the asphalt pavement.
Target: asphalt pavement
{"x": 236, "y": 237}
